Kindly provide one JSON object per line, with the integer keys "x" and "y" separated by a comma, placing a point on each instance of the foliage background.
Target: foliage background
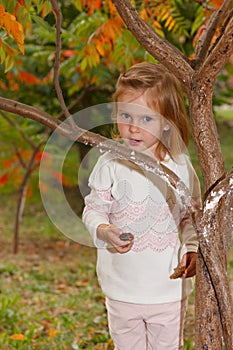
{"x": 49, "y": 292}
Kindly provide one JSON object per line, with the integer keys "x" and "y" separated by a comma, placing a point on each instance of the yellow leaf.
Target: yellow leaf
{"x": 9, "y": 62}
{"x": 53, "y": 332}
{"x": 78, "y": 4}
{"x": 2, "y": 55}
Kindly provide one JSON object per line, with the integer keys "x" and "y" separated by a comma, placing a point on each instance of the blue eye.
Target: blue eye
{"x": 125, "y": 115}
{"x": 147, "y": 119}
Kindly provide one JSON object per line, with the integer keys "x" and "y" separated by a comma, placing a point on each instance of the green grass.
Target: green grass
{"x": 49, "y": 294}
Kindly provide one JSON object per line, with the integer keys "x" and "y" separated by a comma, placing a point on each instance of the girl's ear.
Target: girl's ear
{"x": 166, "y": 127}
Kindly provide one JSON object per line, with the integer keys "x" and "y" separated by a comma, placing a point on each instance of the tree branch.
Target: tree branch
{"x": 204, "y": 41}
{"x": 30, "y": 112}
{"x": 77, "y": 99}
{"x": 204, "y": 4}
{"x": 20, "y": 130}
{"x": 21, "y": 161}
{"x": 22, "y": 195}
{"x": 159, "y": 48}
{"x": 105, "y": 145}
{"x": 211, "y": 216}
{"x": 58, "y": 17}
{"x": 218, "y": 56}
{"x": 222, "y": 30}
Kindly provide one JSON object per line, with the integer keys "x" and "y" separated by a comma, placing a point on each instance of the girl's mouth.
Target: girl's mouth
{"x": 134, "y": 142}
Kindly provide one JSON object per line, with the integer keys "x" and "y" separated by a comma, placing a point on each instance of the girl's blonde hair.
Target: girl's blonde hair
{"x": 165, "y": 96}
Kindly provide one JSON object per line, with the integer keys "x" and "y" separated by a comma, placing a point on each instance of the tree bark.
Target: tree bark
{"x": 214, "y": 311}
{"x": 199, "y": 78}
{"x": 21, "y": 198}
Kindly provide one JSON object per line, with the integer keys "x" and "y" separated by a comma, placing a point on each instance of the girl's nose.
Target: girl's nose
{"x": 133, "y": 128}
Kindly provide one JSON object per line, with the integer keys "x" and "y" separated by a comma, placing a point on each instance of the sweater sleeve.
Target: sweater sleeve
{"x": 98, "y": 203}
{"x": 188, "y": 234}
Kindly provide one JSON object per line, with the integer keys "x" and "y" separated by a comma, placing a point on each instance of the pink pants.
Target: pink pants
{"x": 146, "y": 327}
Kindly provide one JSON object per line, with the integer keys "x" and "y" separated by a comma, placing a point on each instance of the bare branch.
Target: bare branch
{"x": 219, "y": 56}
{"x": 30, "y": 112}
{"x": 159, "y": 48}
{"x": 204, "y": 4}
{"x": 20, "y": 130}
{"x": 204, "y": 41}
{"x": 22, "y": 195}
{"x": 77, "y": 100}
{"x": 105, "y": 145}
{"x": 222, "y": 30}
{"x": 18, "y": 155}
{"x": 58, "y": 17}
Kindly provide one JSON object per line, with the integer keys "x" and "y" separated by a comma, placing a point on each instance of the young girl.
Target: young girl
{"x": 146, "y": 308}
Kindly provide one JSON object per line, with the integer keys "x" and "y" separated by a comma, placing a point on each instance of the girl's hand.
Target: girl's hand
{"x": 189, "y": 262}
{"x": 111, "y": 235}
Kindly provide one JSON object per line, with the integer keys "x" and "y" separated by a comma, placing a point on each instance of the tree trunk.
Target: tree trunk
{"x": 204, "y": 131}
{"x": 21, "y": 199}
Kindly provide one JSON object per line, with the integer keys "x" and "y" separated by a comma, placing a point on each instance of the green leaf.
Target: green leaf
{"x": 27, "y": 18}
{"x": 20, "y": 13}
{"x": 39, "y": 5}
{"x": 9, "y": 63}
{"x": 83, "y": 65}
{"x": 47, "y": 7}
{"x": 198, "y": 21}
{"x": 11, "y": 6}
{"x": 42, "y": 23}
{"x": 28, "y": 3}
{"x": 78, "y": 5}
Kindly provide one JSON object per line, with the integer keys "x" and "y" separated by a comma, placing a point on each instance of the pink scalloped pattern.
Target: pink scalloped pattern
{"x": 154, "y": 225}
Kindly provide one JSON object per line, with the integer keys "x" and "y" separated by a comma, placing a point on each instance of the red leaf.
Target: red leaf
{"x": 41, "y": 154}
{"x": 28, "y": 78}
{"x": 69, "y": 53}
{"x": 3, "y": 179}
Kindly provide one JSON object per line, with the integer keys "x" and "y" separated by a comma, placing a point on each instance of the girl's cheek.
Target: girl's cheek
{"x": 122, "y": 128}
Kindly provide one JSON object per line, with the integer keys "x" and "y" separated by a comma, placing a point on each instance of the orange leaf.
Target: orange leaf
{"x": 18, "y": 337}
{"x": 6, "y": 163}
{"x": 43, "y": 187}
{"x": 81, "y": 283}
{"x": 100, "y": 47}
{"x": 2, "y": 85}
{"x": 53, "y": 332}
{"x": 21, "y": 2}
{"x": 12, "y": 27}
{"x": 58, "y": 176}
{"x": 112, "y": 8}
{"x": 18, "y": 34}
{"x": 29, "y": 192}
{"x": 1, "y": 12}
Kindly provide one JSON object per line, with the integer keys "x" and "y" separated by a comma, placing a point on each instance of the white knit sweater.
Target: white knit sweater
{"x": 141, "y": 203}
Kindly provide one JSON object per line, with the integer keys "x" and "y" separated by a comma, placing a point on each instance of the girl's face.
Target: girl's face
{"x": 140, "y": 127}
